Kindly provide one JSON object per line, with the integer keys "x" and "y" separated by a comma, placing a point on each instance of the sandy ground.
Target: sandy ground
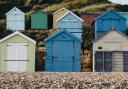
{"x": 44, "y": 80}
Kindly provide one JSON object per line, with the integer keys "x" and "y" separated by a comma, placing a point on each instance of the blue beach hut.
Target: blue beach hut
{"x": 63, "y": 52}
{"x": 108, "y": 20}
{"x": 71, "y": 23}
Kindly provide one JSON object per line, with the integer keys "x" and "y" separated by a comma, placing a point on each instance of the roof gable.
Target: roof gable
{"x": 108, "y": 32}
{"x": 60, "y": 10}
{"x": 15, "y": 9}
{"x": 17, "y": 33}
{"x": 72, "y": 15}
{"x": 111, "y": 11}
{"x": 61, "y": 32}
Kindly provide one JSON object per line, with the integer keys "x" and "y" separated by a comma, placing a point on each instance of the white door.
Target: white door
{"x": 17, "y": 57}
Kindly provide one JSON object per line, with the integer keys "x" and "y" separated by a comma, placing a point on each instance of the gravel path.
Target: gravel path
{"x": 44, "y": 80}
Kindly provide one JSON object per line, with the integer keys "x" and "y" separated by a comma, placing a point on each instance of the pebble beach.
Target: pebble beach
{"x": 47, "y": 80}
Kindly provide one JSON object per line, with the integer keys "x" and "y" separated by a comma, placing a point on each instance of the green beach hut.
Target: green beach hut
{"x": 39, "y": 20}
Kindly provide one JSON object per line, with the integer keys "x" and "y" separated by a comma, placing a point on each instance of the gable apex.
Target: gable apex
{"x": 106, "y": 33}
{"x": 110, "y": 11}
{"x": 71, "y": 14}
{"x": 60, "y": 32}
{"x": 60, "y": 10}
{"x": 15, "y": 8}
{"x": 17, "y": 33}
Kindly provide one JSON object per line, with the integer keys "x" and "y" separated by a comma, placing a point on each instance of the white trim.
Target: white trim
{"x": 60, "y": 10}
{"x": 93, "y": 54}
{"x": 18, "y": 33}
{"x": 13, "y": 9}
{"x": 72, "y": 14}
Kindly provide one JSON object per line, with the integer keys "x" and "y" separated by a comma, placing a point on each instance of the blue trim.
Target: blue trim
{"x": 113, "y": 11}
{"x": 73, "y": 14}
{"x": 63, "y": 31}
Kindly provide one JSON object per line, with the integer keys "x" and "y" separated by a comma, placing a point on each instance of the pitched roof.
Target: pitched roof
{"x": 15, "y": 8}
{"x": 113, "y": 11}
{"x": 70, "y": 12}
{"x": 105, "y": 33}
{"x": 63, "y": 31}
{"x": 17, "y": 33}
{"x": 60, "y": 10}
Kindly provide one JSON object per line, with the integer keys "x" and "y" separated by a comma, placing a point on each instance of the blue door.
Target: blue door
{"x": 57, "y": 56}
{"x": 63, "y": 56}
{"x": 68, "y": 56}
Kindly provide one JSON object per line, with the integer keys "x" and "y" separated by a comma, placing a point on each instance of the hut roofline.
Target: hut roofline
{"x": 17, "y": 33}
{"x": 59, "y": 10}
{"x": 109, "y": 12}
{"x": 72, "y": 14}
{"x": 105, "y": 33}
{"x": 63, "y": 31}
{"x": 14, "y": 9}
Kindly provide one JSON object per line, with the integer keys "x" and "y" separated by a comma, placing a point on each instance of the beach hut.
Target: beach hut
{"x": 63, "y": 52}
{"x": 107, "y": 20}
{"x": 58, "y": 14}
{"x": 15, "y": 19}
{"x": 110, "y": 52}
{"x": 17, "y": 53}
{"x": 71, "y": 23}
{"x": 39, "y": 20}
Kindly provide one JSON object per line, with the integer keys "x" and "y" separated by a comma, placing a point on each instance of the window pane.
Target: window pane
{"x": 108, "y": 61}
{"x": 125, "y": 57}
{"x": 99, "y": 61}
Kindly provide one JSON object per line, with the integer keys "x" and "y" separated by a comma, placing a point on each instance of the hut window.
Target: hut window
{"x": 125, "y": 57}
{"x": 99, "y": 62}
{"x": 107, "y": 61}
{"x": 103, "y": 61}
{"x": 100, "y": 47}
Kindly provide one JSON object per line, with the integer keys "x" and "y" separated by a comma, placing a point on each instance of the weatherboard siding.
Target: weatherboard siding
{"x": 58, "y": 15}
{"x": 125, "y": 14}
{"x": 15, "y": 20}
{"x": 108, "y": 21}
{"x": 70, "y": 23}
{"x": 62, "y": 42}
{"x": 111, "y": 42}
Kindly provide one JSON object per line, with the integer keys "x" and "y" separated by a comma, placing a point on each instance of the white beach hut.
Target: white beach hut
{"x": 15, "y": 19}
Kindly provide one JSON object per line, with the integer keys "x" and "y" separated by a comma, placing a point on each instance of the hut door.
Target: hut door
{"x": 57, "y": 56}
{"x": 62, "y": 56}
{"x": 17, "y": 57}
{"x": 68, "y": 57}
{"x": 118, "y": 61}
